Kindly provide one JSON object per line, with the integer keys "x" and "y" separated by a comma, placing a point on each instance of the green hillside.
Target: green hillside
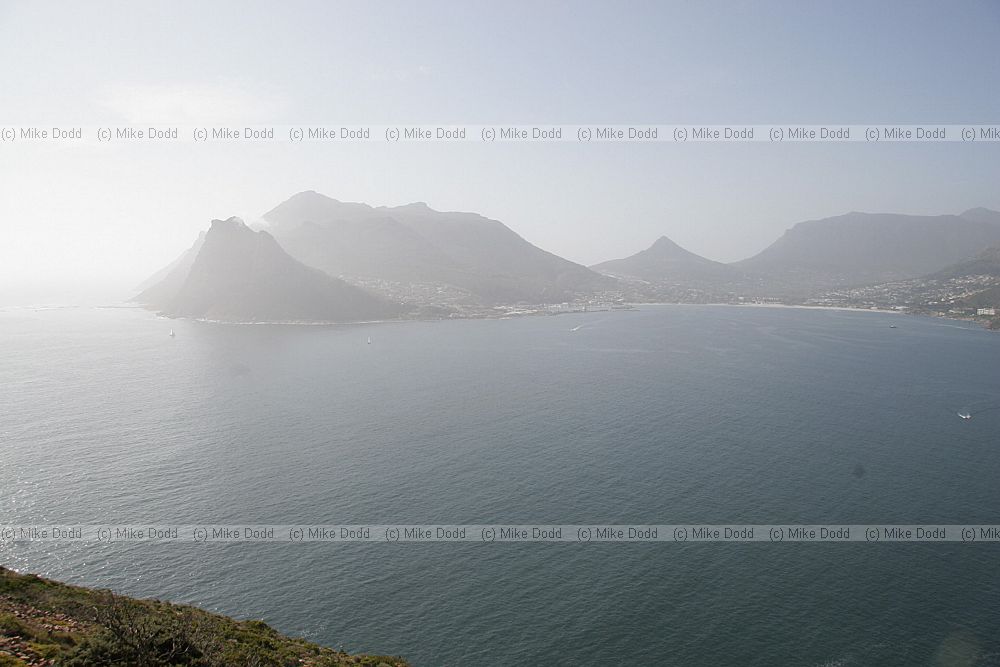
{"x": 47, "y": 623}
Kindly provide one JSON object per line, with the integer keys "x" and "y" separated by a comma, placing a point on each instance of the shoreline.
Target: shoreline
{"x": 630, "y": 306}
{"x": 848, "y": 309}
{"x": 779, "y": 305}
{"x": 47, "y": 622}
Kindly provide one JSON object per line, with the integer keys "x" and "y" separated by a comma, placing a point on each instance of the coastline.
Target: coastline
{"x": 632, "y": 305}
{"x": 885, "y": 311}
{"x": 44, "y": 622}
{"x": 776, "y": 305}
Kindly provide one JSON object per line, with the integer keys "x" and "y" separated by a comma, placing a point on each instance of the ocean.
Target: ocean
{"x": 661, "y": 415}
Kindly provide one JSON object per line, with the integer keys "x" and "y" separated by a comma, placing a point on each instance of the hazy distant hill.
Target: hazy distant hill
{"x": 431, "y": 258}
{"x": 241, "y": 275}
{"x": 416, "y": 244}
{"x": 165, "y": 283}
{"x": 982, "y": 215}
{"x": 987, "y": 298}
{"x": 866, "y": 248}
{"x": 986, "y": 263}
{"x": 665, "y": 261}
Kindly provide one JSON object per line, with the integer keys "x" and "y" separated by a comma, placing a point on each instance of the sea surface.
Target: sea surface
{"x": 666, "y": 414}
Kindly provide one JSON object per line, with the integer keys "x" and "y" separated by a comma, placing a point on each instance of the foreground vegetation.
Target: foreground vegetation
{"x": 47, "y": 623}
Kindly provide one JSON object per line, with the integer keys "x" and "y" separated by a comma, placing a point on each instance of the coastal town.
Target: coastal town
{"x": 975, "y": 297}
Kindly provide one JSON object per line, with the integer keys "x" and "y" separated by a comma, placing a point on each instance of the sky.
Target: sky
{"x": 110, "y": 215}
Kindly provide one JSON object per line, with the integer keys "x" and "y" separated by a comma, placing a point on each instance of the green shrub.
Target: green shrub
{"x": 132, "y": 635}
{"x": 47, "y": 651}
{"x": 12, "y": 626}
{"x": 163, "y": 650}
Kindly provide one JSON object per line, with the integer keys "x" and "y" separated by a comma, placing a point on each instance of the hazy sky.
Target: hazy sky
{"x": 112, "y": 214}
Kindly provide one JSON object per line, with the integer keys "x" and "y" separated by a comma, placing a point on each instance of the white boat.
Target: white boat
{"x": 172, "y": 334}
{"x": 965, "y": 415}
{"x": 369, "y": 340}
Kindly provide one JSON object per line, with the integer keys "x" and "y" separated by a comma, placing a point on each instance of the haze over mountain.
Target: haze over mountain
{"x": 986, "y": 263}
{"x": 665, "y": 261}
{"x": 981, "y": 214}
{"x": 240, "y": 275}
{"x": 167, "y": 282}
{"x": 866, "y": 248}
{"x": 463, "y": 263}
{"x": 416, "y": 244}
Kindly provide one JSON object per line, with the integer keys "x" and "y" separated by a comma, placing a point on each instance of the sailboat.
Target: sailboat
{"x": 369, "y": 340}
{"x": 172, "y": 334}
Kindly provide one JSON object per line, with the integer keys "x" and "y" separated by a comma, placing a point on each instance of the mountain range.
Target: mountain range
{"x": 986, "y": 263}
{"x": 847, "y": 250}
{"x": 319, "y": 259}
{"x": 416, "y": 244}
{"x": 866, "y": 248}
{"x": 234, "y": 273}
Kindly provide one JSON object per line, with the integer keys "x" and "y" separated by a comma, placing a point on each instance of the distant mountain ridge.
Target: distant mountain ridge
{"x": 447, "y": 264}
{"x": 416, "y": 244}
{"x": 667, "y": 261}
{"x": 981, "y": 214}
{"x": 854, "y": 249}
{"x": 986, "y": 263}
{"x": 868, "y": 248}
{"x": 241, "y": 275}
{"x": 165, "y": 283}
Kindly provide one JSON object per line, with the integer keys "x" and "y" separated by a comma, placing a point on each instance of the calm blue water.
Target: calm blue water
{"x": 664, "y": 415}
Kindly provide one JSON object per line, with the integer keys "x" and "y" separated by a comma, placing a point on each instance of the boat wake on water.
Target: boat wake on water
{"x": 969, "y": 414}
